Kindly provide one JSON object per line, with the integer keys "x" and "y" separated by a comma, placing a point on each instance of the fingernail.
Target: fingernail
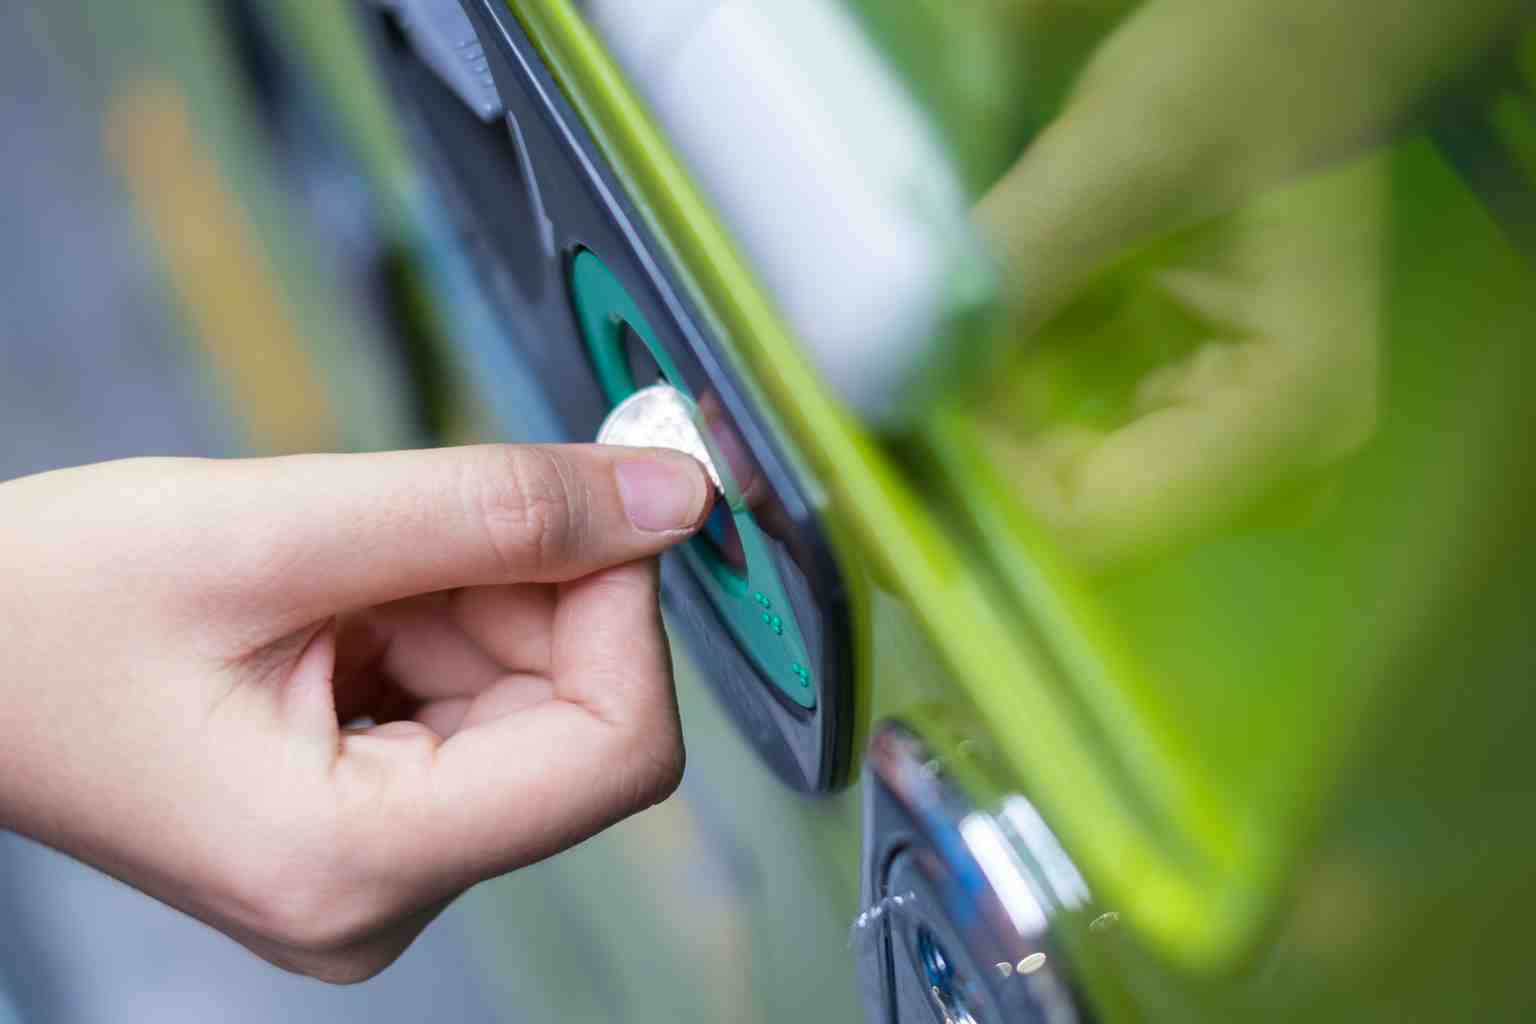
{"x": 663, "y": 493}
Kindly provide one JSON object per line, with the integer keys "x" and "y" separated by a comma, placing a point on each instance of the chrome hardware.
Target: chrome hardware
{"x": 965, "y": 889}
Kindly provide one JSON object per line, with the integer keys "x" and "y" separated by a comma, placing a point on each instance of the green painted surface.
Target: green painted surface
{"x": 1190, "y": 720}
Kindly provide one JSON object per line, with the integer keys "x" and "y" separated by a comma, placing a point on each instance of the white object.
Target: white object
{"x": 824, "y": 170}
{"x": 659, "y": 416}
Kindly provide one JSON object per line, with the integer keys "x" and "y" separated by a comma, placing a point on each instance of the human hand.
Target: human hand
{"x": 192, "y": 647}
{"x": 1182, "y": 110}
{"x": 1194, "y": 252}
{"x": 1227, "y": 368}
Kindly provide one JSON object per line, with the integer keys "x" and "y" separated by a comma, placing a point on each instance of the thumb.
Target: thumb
{"x": 311, "y": 536}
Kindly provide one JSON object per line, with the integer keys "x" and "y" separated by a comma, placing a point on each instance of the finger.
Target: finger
{"x": 605, "y": 744}
{"x": 444, "y": 717}
{"x": 509, "y": 695}
{"x": 390, "y": 659}
{"x": 1187, "y": 109}
{"x": 511, "y": 624}
{"x": 429, "y": 657}
{"x": 610, "y": 652}
{"x": 308, "y": 536}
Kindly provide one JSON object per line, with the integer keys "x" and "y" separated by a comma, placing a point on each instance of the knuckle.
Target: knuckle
{"x": 534, "y": 507}
{"x": 668, "y": 772}
{"x": 345, "y": 968}
{"x": 309, "y": 916}
{"x": 658, "y": 761}
{"x": 316, "y": 931}
{"x": 309, "y": 899}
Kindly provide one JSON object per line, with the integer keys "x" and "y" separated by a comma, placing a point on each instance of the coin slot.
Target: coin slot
{"x": 719, "y": 545}
{"x": 778, "y": 652}
{"x": 748, "y": 573}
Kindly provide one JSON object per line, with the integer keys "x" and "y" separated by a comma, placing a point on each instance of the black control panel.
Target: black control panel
{"x": 758, "y": 600}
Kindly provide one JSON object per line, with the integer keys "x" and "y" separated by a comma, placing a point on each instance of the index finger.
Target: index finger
{"x": 312, "y": 536}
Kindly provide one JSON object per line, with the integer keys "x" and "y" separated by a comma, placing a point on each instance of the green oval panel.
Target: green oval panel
{"x": 755, "y": 607}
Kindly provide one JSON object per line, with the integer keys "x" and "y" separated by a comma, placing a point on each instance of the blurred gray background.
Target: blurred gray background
{"x": 93, "y": 365}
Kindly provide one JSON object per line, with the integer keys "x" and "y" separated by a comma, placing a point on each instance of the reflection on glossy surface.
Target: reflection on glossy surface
{"x": 1197, "y": 245}
{"x": 1005, "y": 872}
{"x": 1030, "y": 964}
{"x": 1269, "y": 394}
{"x": 1269, "y": 319}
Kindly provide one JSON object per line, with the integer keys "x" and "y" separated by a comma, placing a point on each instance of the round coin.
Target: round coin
{"x": 659, "y": 416}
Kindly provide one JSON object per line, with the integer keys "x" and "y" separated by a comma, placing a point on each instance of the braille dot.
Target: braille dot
{"x": 767, "y": 619}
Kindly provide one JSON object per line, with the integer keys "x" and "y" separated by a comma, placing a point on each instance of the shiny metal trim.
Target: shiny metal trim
{"x": 1002, "y": 877}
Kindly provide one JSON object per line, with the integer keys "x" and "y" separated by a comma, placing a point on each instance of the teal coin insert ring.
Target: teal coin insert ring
{"x": 754, "y": 606}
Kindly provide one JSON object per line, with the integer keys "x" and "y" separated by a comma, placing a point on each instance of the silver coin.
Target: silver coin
{"x": 659, "y": 416}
